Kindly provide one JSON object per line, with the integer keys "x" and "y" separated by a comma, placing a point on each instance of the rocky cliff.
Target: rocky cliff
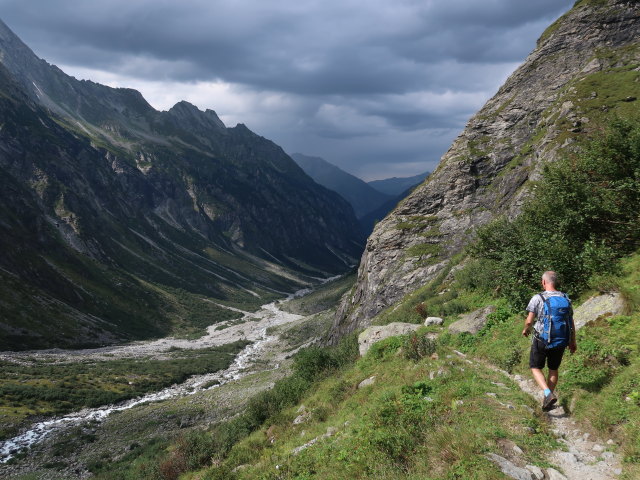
{"x": 583, "y": 70}
{"x": 118, "y": 221}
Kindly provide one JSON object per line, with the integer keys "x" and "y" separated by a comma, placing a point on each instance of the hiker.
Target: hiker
{"x": 553, "y": 332}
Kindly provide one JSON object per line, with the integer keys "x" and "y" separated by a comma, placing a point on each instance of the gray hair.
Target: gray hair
{"x": 551, "y": 277}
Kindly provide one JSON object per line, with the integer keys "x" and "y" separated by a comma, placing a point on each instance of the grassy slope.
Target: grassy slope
{"x": 410, "y": 426}
{"x": 405, "y": 426}
{"x": 323, "y": 298}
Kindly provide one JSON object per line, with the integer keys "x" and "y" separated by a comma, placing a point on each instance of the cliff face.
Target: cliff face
{"x": 116, "y": 220}
{"x": 583, "y": 70}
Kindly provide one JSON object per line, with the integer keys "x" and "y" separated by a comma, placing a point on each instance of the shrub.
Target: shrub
{"x": 511, "y": 359}
{"x": 417, "y": 346}
{"x": 310, "y": 363}
{"x": 580, "y": 217}
{"x": 385, "y": 348}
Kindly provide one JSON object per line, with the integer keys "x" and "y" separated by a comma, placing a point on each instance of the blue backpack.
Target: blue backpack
{"x": 556, "y": 321}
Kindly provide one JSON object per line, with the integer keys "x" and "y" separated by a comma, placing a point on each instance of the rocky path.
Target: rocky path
{"x": 585, "y": 458}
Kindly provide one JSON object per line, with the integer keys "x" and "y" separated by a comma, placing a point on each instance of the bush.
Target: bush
{"x": 417, "y": 346}
{"x": 581, "y": 216}
{"x": 511, "y": 359}
{"x": 385, "y": 348}
{"x": 310, "y": 363}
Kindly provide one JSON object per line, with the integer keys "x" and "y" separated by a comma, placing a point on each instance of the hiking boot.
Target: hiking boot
{"x": 549, "y": 401}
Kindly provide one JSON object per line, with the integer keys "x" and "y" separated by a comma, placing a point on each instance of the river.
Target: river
{"x": 253, "y": 327}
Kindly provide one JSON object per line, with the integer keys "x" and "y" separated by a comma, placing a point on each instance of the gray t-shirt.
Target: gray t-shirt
{"x": 536, "y": 305}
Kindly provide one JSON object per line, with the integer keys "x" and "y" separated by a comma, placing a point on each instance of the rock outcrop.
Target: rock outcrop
{"x": 583, "y": 70}
{"x": 374, "y": 334}
{"x": 605, "y": 305}
{"x": 472, "y": 322}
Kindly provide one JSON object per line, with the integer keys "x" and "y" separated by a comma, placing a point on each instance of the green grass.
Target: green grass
{"x": 407, "y": 426}
{"x": 322, "y": 298}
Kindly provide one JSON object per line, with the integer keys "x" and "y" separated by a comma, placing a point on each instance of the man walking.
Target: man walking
{"x": 553, "y": 332}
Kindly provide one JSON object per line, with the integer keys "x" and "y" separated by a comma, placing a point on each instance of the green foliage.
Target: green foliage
{"x": 418, "y": 346}
{"x": 385, "y": 348}
{"x": 421, "y": 250}
{"x": 196, "y": 450}
{"x": 582, "y": 216}
{"x": 141, "y": 461}
{"x": 313, "y": 361}
{"x": 479, "y": 275}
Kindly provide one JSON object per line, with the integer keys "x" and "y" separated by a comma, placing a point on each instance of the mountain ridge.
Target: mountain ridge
{"x": 362, "y": 197}
{"x": 137, "y": 215}
{"x": 398, "y": 185}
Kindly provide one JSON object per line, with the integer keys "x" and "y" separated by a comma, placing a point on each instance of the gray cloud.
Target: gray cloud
{"x": 368, "y": 84}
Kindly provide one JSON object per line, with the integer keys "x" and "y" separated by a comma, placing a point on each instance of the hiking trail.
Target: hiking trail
{"x": 585, "y": 458}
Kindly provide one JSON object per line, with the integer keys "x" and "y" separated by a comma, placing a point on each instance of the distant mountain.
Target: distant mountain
{"x": 361, "y": 196}
{"x": 397, "y": 185}
{"x": 118, "y": 221}
{"x": 369, "y": 220}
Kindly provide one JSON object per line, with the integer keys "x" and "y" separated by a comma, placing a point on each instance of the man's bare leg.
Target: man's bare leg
{"x": 538, "y": 376}
{"x": 552, "y": 380}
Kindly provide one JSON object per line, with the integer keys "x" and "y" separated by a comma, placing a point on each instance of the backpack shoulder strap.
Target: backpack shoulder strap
{"x": 544, "y": 300}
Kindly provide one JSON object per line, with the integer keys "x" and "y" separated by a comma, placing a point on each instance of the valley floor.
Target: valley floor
{"x": 71, "y": 445}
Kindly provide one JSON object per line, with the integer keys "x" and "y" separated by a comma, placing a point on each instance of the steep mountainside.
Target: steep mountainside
{"x": 361, "y": 196}
{"x": 118, "y": 221}
{"x": 397, "y": 185}
{"x": 584, "y": 70}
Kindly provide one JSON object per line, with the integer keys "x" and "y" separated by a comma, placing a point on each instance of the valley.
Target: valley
{"x": 181, "y": 300}
{"x": 259, "y": 348}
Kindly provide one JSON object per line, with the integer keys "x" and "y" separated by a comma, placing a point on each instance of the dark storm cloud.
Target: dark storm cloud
{"x": 306, "y": 47}
{"x": 352, "y": 70}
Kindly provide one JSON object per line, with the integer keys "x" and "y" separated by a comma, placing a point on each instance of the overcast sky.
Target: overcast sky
{"x": 378, "y": 87}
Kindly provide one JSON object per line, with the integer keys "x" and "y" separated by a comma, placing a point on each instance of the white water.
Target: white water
{"x": 254, "y": 329}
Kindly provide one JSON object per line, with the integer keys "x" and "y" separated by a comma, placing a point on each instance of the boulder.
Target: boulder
{"x": 433, "y": 321}
{"x": 607, "y": 304}
{"x": 367, "y": 382}
{"x": 510, "y": 469}
{"x": 536, "y": 471}
{"x": 555, "y": 475}
{"x": 472, "y": 322}
{"x": 374, "y": 334}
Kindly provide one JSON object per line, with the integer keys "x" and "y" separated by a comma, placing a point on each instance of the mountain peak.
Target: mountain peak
{"x": 185, "y": 111}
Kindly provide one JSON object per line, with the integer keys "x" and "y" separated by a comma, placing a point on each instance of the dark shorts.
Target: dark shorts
{"x": 539, "y": 355}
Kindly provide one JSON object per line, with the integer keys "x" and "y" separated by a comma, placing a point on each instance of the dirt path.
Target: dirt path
{"x": 587, "y": 457}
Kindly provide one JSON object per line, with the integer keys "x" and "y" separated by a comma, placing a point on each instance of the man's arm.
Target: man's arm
{"x": 527, "y": 324}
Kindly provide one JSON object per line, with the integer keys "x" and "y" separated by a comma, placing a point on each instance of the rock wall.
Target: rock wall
{"x": 553, "y": 99}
